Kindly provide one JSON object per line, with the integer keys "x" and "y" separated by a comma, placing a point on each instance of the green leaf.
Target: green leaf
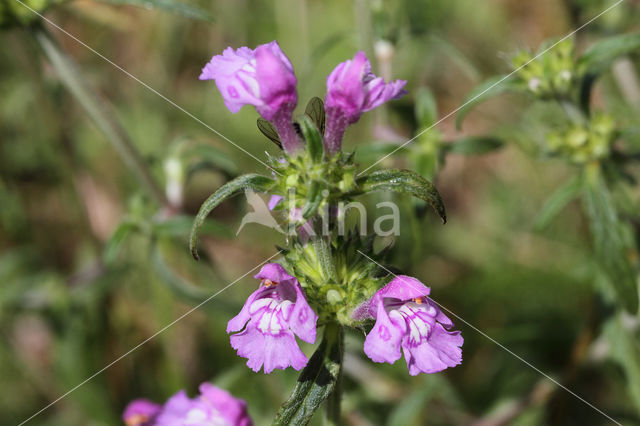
{"x": 610, "y": 245}
{"x": 315, "y": 110}
{"x": 557, "y": 201}
{"x": 313, "y": 138}
{"x": 601, "y": 55}
{"x": 474, "y": 145}
{"x": 251, "y": 181}
{"x": 323, "y": 252}
{"x": 269, "y": 130}
{"x": 112, "y": 248}
{"x": 316, "y": 382}
{"x": 403, "y": 182}
{"x": 173, "y": 6}
{"x": 426, "y": 108}
{"x": 314, "y": 198}
{"x": 482, "y": 92}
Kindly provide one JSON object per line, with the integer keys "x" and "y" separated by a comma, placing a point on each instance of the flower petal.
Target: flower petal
{"x": 303, "y": 319}
{"x": 273, "y": 352}
{"x": 440, "y": 351}
{"x": 383, "y": 341}
{"x": 141, "y": 412}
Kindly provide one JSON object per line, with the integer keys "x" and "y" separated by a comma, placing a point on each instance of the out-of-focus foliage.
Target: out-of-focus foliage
{"x": 91, "y": 265}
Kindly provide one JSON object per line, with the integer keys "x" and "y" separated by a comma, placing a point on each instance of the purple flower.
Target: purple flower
{"x": 407, "y": 318}
{"x": 263, "y": 78}
{"x": 141, "y": 412}
{"x": 351, "y": 90}
{"x": 270, "y": 318}
{"x": 212, "y": 407}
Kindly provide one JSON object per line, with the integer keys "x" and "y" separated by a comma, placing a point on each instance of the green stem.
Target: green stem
{"x": 332, "y": 332}
{"x": 99, "y": 112}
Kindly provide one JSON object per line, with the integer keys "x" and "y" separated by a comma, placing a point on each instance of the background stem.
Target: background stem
{"x": 99, "y": 112}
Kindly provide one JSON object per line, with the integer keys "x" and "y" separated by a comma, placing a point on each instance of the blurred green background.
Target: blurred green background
{"x": 91, "y": 265}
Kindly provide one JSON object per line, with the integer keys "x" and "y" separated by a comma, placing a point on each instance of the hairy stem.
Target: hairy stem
{"x": 332, "y": 407}
{"x": 99, "y": 112}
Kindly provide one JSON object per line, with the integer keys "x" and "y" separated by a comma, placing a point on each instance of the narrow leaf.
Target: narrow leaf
{"x": 474, "y": 145}
{"x": 314, "y": 198}
{"x": 112, "y": 248}
{"x": 610, "y": 245}
{"x": 404, "y": 182}
{"x": 269, "y": 131}
{"x": 601, "y": 55}
{"x": 323, "y": 251}
{"x": 252, "y": 181}
{"x": 313, "y": 138}
{"x": 315, "y": 110}
{"x": 316, "y": 382}
{"x": 482, "y": 92}
{"x": 426, "y": 109}
{"x": 557, "y": 201}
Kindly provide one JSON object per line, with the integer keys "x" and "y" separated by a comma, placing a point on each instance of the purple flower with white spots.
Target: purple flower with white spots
{"x": 407, "y": 318}
{"x": 351, "y": 90}
{"x": 263, "y": 78}
{"x": 213, "y": 407}
{"x": 270, "y": 319}
{"x": 141, "y": 412}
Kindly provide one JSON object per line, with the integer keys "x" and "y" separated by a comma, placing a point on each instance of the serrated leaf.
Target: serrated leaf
{"x": 426, "y": 108}
{"x": 316, "y": 382}
{"x": 173, "y": 6}
{"x": 402, "y": 181}
{"x": 315, "y": 110}
{"x": 474, "y": 145}
{"x": 601, "y": 55}
{"x": 269, "y": 130}
{"x": 255, "y": 182}
{"x": 482, "y": 92}
{"x": 557, "y": 201}
{"x": 610, "y": 246}
{"x": 312, "y": 137}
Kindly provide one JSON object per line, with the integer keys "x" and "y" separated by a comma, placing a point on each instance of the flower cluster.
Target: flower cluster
{"x": 264, "y": 78}
{"x": 584, "y": 143}
{"x": 214, "y": 406}
{"x": 548, "y": 75}
{"x": 311, "y": 173}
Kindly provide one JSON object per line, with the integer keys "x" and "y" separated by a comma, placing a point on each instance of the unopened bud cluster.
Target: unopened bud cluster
{"x": 548, "y": 75}
{"x": 584, "y": 143}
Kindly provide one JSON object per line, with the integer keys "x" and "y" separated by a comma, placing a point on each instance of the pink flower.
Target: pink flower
{"x": 269, "y": 321}
{"x": 263, "y": 78}
{"x": 141, "y": 412}
{"x": 214, "y": 406}
{"x": 407, "y": 318}
{"x": 351, "y": 90}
